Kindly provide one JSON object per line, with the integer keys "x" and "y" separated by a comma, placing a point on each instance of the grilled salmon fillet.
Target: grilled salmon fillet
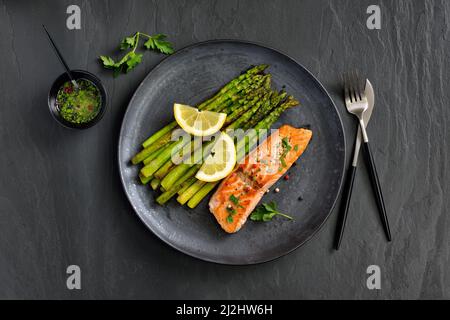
{"x": 241, "y": 191}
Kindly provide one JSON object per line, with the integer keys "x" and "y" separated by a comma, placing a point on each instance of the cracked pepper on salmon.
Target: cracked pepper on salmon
{"x": 238, "y": 195}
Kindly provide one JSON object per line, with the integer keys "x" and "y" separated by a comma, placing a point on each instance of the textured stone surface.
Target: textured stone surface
{"x": 61, "y": 201}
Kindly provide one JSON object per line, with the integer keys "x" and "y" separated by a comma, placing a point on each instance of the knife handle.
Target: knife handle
{"x": 377, "y": 189}
{"x": 345, "y": 203}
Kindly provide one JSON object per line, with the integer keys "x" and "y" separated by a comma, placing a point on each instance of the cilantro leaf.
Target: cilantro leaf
{"x": 266, "y": 212}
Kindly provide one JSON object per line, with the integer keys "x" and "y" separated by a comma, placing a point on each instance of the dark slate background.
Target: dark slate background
{"x": 61, "y": 201}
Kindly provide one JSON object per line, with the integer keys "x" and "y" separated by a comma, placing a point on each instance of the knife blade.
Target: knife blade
{"x": 366, "y": 117}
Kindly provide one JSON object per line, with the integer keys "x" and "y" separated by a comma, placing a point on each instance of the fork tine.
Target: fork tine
{"x": 362, "y": 86}
{"x": 354, "y": 86}
{"x": 351, "y": 84}
{"x": 351, "y": 81}
{"x": 359, "y": 86}
{"x": 347, "y": 87}
{"x": 350, "y": 88}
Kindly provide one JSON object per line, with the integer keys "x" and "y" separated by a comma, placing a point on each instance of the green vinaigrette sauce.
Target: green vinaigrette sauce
{"x": 80, "y": 105}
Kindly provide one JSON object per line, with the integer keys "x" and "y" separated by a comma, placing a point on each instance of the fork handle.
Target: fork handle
{"x": 345, "y": 204}
{"x": 376, "y": 188}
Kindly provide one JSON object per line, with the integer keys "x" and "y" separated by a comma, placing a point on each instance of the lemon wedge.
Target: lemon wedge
{"x": 220, "y": 162}
{"x": 198, "y": 123}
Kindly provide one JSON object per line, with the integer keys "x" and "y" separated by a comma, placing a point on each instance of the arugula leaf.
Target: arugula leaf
{"x": 266, "y": 212}
{"x": 131, "y": 59}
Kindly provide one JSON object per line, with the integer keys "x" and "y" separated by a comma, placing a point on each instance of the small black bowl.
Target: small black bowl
{"x": 77, "y": 74}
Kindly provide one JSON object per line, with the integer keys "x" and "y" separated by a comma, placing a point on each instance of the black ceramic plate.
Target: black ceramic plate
{"x": 190, "y": 76}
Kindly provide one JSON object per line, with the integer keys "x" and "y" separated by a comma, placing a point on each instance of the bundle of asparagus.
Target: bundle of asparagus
{"x": 248, "y": 101}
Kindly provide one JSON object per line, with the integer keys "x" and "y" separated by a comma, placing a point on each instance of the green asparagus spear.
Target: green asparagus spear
{"x": 271, "y": 103}
{"x": 245, "y": 106}
{"x": 186, "y": 185}
{"x": 179, "y": 170}
{"x": 155, "y": 183}
{"x": 248, "y": 114}
{"x": 231, "y": 85}
{"x": 144, "y": 180}
{"x": 161, "y": 172}
{"x": 203, "y": 192}
{"x": 143, "y": 154}
{"x": 275, "y": 114}
{"x": 190, "y": 191}
{"x": 156, "y": 163}
{"x": 164, "y": 197}
{"x": 153, "y": 155}
{"x": 159, "y": 134}
{"x": 218, "y": 104}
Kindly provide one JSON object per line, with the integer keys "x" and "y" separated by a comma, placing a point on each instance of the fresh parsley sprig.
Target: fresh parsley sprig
{"x": 131, "y": 59}
{"x": 266, "y": 212}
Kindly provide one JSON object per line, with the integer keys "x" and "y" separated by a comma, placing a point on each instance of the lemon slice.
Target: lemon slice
{"x": 198, "y": 123}
{"x": 220, "y": 162}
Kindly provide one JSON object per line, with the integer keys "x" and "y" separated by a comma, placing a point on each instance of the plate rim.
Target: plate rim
{"x": 193, "y": 254}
